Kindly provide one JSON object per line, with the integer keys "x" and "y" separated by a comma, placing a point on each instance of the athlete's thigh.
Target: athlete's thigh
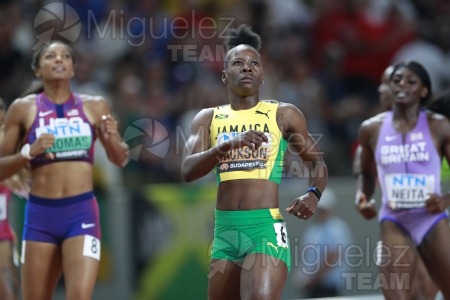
{"x": 81, "y": 258}
{"x": 41, "y": 269}
{"x": 423, "y": 286}
{"x": 224, "y": 280}
{"x": 9, "y": 274}
{"x": 263, "y": 277}
{"x": 435, "y": 252}
{"x": 397, "y": 261}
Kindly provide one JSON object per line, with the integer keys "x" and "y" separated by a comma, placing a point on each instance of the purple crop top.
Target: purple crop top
{"x": 74, "y": 134}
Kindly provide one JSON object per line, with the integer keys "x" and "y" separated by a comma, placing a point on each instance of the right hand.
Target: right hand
{"x": 251, "y": 138}
{"x": 366, "y": 208}
{"x": 44, "y": 141}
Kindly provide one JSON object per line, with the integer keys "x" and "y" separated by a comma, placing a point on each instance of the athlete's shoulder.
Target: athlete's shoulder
{"x": 220, "y": 107}
{"x": 371, "y": 127}
{"x": 374, "y": 121}
{"x": 434, "y": 116}
{"x": 91, "y": 98}
{"x": 28, "y": 99}
{"x": 287, "y": 105}
{"x": 289, "y": 110}
{"x": 438, "y": 122}
{"x": 204, "y": 116}
{"x": 270, "y": 101}
{"x": 217, "y": 112}
{"x": 23, "y": 102}
{"x": 97, "y": 104}
{"x": 208, "y": 111}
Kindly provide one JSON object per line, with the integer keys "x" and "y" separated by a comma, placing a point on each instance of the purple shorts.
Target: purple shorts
{"x": 53, "y": 221}
{"x": 416, "y": 222}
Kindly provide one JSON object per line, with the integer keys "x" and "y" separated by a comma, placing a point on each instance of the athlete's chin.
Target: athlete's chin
{"x": 60, "y": 77}
{"x": 403, "y": 103}
{"x": 247, "y": 91}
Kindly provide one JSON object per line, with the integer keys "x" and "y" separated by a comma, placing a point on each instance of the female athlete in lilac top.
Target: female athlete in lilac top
{"x": 404, "y": 148}
{"x": 56, "y": 130}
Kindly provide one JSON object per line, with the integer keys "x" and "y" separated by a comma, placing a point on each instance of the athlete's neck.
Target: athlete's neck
{"x": 244, "y": 103}
{"x": 406, "y": 113}
{"x": 57, "y": 92}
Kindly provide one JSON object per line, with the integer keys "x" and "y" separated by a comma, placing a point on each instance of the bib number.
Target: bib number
{"x": 91, "y": 247}
{"x": 3, "y": 207}
{"x": 280, "y": 231}
{"x": 405, "y": 191}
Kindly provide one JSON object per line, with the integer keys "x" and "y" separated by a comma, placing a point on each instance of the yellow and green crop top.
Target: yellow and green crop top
{"x": 267, "y": 161}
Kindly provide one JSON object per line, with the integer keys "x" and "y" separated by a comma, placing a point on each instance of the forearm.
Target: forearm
{"x": 197, "y": 165}
{"x": 318, "y": 174}
{"x": 117, "y": 151}
{"x": 10, "y": 165}
{"x": 365, "y": 184}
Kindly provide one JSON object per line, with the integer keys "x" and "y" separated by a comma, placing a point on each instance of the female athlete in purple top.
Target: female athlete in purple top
{"x": 56, "y": 130}
{"x": 404, "y": 148}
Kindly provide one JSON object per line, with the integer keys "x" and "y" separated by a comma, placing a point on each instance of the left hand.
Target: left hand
{"x": 304, "y": 206}
{"x": 436, "y": 204}
{"x": 18, "y": 186}
{"x": 108, "y": 126}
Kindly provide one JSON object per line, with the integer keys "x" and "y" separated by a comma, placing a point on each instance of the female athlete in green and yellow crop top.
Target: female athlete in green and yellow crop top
{"x": 245, "y": 142}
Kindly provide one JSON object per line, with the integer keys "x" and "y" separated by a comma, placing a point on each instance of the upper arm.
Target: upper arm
{"x": 199, "y": 139}
{"x": 366, "y": 149}
{"x": 94, "y": 107}
{"x": 293, "y": 125}
{"x": 442, "y": 127}
{"x": 14, "y": 129}
{"x": 447, "y": 144}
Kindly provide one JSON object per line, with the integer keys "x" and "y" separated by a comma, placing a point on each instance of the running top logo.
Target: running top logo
{"x": 152, "y": 135}
{"x": 53, "y": 19}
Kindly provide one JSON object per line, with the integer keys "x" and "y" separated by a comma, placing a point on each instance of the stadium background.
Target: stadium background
{"x": 159, "y": 62}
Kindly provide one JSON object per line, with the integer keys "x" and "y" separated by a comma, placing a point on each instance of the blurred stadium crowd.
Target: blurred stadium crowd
{"x": 162, "y": 60}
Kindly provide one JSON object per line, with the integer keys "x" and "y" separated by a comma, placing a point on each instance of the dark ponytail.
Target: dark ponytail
{"x": 36, "y": 87}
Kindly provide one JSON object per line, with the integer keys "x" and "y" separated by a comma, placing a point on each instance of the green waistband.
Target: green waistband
{"x": 247, "y": 217}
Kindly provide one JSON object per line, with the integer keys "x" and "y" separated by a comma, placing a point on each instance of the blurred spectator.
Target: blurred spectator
{"x": 324, "y": 245}
{"x": 14, "y": 74}
{"x": 428, "y": 49}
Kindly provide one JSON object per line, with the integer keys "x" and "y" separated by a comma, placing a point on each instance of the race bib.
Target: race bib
{"x": 73, "y": 137}
{"x": 404, "y": 191}
{"x": 91, "y": 247}
{"x": 3, "y": 207}
{"x": 280, "y": 230}
{"x": 243, "y": 159}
